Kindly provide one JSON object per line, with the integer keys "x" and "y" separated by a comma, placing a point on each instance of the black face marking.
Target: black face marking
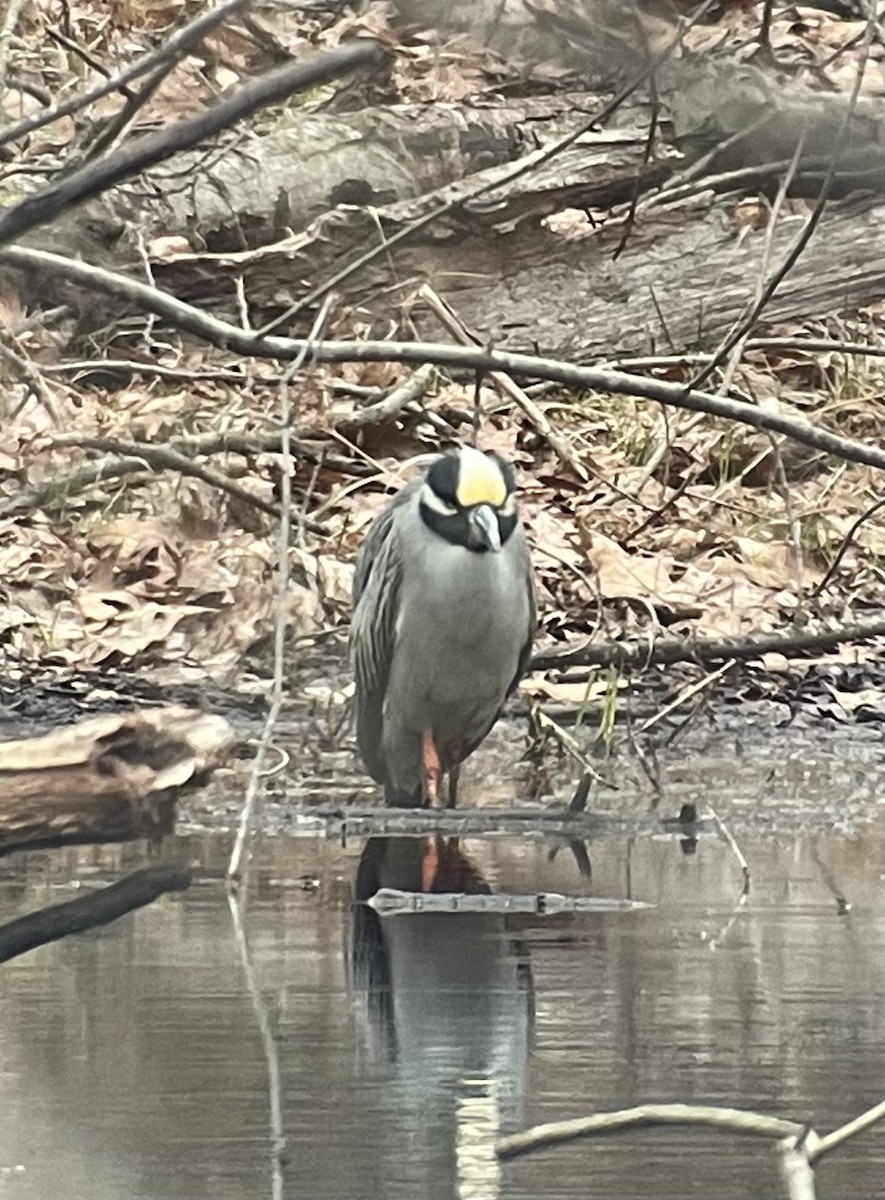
{"x": 443, "y": 478}
{"x": 442, "y": 513}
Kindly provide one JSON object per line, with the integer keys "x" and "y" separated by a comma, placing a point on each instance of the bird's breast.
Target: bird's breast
{"x": 461, "y": 626}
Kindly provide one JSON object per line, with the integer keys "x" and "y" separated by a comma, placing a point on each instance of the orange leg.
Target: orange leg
{"x": 431, "y": 770}
{"x": 454, "y": 776}
{"x": 454, "y": 754}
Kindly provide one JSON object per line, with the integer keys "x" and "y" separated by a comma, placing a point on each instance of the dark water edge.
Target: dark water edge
{"x": 132, "y": 1063}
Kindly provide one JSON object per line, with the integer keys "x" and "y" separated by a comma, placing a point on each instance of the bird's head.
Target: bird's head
{"x": 468, "y": 498}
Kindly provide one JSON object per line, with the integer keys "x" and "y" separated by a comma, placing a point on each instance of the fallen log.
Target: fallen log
{"x": 107, "y": 779}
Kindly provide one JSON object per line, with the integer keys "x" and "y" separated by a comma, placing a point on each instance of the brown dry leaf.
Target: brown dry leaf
{"x": 104, "y": 606}
{"x": 13, "y": 616}
{"x": 142, "y": 550}
{"x": 775, "y": 662}
{"x": 134, "y": 631}
{"x": 202, "y": 573}
{"x": 624, "y": 576}
{"x": 768, "y": 564}
{"x": 168, "y": 249}
{"x": 551, "y": 535}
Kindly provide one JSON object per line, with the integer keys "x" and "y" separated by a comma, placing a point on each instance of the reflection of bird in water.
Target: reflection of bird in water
{"x": 446, "y": 1004}
{"x": 442, "y": 625}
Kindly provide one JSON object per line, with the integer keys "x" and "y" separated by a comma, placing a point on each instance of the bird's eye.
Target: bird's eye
{"x": 430, "y": 499}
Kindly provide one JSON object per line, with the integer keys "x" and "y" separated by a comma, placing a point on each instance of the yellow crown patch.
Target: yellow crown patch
{"x": 479, "y": 480}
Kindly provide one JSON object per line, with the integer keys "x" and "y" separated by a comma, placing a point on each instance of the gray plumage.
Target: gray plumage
{"x": 441, "y": 634}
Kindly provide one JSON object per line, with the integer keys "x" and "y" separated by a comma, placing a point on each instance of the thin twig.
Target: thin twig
{"x": 173, "y": 47}
{"x": 10, "y": 17}
{"x": 569, "y": 743}
{"x": 728, "y": 837}
{"x": 865, "y": 1121}
{"x": 802, "y": 345}
{"x": 412, "y": 388}
{"x": 356, "y": 820}
{"x": 28, "y": 373}
{"x": 236, "y": 879}
{"x": 684, "y": 696}
{"x": 846, "y": 542}
{"x": 163, "y": 458}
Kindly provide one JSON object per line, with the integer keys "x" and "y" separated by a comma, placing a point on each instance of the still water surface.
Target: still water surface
{"x": 132, "y": 1065}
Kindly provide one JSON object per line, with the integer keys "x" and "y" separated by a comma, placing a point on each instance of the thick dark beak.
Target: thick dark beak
{"x": 482, "y": 525}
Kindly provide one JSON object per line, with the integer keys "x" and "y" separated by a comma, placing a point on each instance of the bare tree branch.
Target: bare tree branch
{"x": 230, "y": 337}
{"x": 705, "y": 650}
{"x": 146, "y": 151}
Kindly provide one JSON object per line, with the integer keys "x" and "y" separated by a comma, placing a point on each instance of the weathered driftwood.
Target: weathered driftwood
{"x": 86, "y": 912}
{"x": 683, "y": 279}
{"x": 106, "y": 779}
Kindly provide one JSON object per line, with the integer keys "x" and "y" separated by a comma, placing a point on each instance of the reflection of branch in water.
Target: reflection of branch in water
{"x": 268, "y": 1042}
{"x": 74, "y": 916}
{"x": 843, "y": 905}
{"x": 392, "y": 901}
{"x": 477, "y": 1125}
{"x": 741, "y": 904}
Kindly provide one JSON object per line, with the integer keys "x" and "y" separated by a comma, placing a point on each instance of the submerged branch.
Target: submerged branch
{"x": 74, "y": 916}
{"x": 729, "y": 1120}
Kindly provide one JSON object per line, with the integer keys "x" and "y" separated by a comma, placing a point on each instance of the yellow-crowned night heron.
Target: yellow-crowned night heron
{"x": 443, "y": 619}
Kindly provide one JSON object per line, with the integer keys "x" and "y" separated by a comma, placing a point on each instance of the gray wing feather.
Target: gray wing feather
{"x": 525, "y": 653}
{"x": 373, "y": 628}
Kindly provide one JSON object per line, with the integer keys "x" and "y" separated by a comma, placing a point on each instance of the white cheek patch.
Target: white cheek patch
{"x": 508, "y": 508}
{"x": 435, "y": 503}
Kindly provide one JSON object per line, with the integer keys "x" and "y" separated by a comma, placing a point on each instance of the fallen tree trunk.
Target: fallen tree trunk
{"x": 684, "y": 278}
{"x": 107, "y": 779}
{"x": 345, "y": 181}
